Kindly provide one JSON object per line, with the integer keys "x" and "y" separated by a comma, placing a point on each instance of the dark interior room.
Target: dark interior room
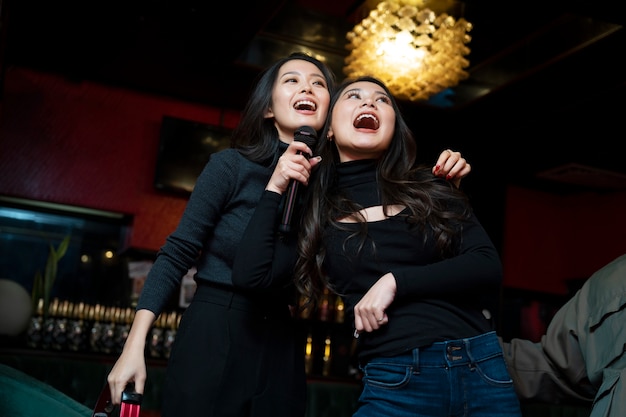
{"x": 545, "y": 81}
{"x": 91, "y": 92}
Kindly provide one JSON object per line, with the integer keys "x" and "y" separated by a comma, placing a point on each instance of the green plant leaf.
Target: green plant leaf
{"x": 49, "y": 277}
{"x": 62, "y": 249}
{"x": 42, "y": 286}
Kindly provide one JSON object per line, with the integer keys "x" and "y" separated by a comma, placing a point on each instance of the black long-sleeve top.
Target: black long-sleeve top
{"x": 437, "y": 299}
{"x": 209, "y": 232}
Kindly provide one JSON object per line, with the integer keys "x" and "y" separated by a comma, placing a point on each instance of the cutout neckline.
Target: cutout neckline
{"x": 374, "y": 214}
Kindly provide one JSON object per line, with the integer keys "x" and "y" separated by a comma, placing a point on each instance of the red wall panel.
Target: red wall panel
{"x": 551, "y": 238}
{"x": 90, "y": 145}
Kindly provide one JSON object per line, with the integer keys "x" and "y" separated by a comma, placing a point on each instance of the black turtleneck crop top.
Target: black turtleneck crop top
{"x": 437, "y": 299}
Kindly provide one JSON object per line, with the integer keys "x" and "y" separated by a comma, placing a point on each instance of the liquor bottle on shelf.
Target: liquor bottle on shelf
{"x": 155, "y": 342}
{"x": 58, "y": 341}
{"x": 96, "y": 315}
{"x": 169, "y": 335}
{"x": 107, "y": 335}
{"x": 34, "y": 333}
{"x": 327, "y": 357}
{"x": 325, "y": 309}
{"x": 339, "y": 310}
{"x": 77, "y": 328}
{"x": 47, "y": 330}
{"x": 308, "y": 354}
{"x": 123, "y": 327}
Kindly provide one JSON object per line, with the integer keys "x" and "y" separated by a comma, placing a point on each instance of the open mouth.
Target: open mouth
{"x": 305, "y": 105}
{"x": 366, "y": 121}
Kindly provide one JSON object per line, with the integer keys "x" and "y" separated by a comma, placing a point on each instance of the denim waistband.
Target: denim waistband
{"x": 226, "y": 296}
{"x": 449, "y": 353}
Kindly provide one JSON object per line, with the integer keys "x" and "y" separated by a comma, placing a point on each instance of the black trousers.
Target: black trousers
{"x": 235, "y": 356}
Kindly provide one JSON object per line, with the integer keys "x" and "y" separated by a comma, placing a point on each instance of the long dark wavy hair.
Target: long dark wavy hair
{"x": 435, "y": 206}
{"x": 256, "y": 136}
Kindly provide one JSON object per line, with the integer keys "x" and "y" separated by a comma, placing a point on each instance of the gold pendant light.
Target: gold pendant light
{"x": 417, "y": 47}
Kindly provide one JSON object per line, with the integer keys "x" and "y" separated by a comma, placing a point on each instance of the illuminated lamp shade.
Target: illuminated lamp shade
{"x": 414, "y": 46}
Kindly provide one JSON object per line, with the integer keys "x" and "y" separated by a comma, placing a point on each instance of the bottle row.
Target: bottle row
{"x": 85, "y": 328}
{"x": 80, "y": 327}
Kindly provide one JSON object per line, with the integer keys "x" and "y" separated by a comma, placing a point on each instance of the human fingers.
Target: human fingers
{"x": 124, "y": 372}
{"x": 441, "y": 162}
{"x": 117, "y": 387}
{"x": 314, "y": 161}
{"x": 300, "y": 147}
{"x": 298, "y": 167}
{"x": 290, "y": 166}
{"x": 117, "y": 383}
{"x": 368, "y": 320}
{"x": 451, "y": 165}
{"x": 299, "y": 155}
{"x": 358, "y": 326}
{"x": 362, "y": 319}
{"x": 457, "y": 180}
{"x": 458, "y": 171}
{"x": 448, "y": 159}
{"x": 371, "y": 309}
{"x": 365, "y": 321}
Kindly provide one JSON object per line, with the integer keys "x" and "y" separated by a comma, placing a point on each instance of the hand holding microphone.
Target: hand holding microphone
{"x": 308, "y": 135}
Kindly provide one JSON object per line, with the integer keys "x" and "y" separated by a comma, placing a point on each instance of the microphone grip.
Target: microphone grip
{"x": 290, "y": 204}
{"x": 307, "y": 135}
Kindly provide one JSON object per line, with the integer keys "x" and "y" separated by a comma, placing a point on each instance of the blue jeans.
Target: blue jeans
{"x": 465, "y": 377}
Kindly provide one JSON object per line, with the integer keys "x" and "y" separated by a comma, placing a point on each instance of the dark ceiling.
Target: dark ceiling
{"x": 546, "y": 90}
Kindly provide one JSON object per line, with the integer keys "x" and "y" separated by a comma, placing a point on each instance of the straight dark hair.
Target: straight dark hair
{"x": 255, "y": 136}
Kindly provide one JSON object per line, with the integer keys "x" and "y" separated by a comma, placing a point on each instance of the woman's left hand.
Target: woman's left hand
{"x": 452, "y": 166}
{"x": 369, "y": 312}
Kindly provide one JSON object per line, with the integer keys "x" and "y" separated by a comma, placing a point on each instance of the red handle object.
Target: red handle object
{"x": 131, "y": 404}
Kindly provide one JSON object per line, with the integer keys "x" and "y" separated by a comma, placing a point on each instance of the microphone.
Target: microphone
{"x": 307, "y": 135}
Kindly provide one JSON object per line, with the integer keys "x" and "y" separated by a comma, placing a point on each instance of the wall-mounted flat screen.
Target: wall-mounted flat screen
{"x": 184, "y": 149}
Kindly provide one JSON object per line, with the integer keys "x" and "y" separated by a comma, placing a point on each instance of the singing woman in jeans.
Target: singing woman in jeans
{"x": 416, "y": 269}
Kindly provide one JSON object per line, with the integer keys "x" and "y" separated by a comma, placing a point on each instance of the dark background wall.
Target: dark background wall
{"x": 92, "y": 146}
{"x": 95, "y": 146}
